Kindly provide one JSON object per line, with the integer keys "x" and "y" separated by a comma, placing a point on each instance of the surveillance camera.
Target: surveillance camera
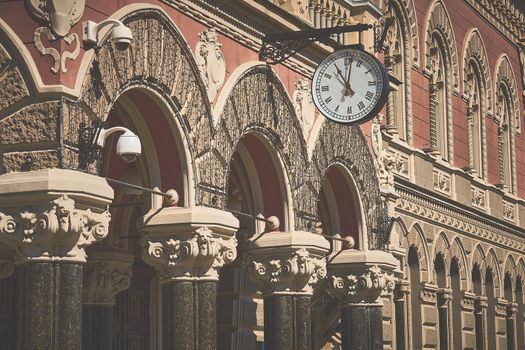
{"x": 128, "y": 146}
{"x": 121, "y": 36}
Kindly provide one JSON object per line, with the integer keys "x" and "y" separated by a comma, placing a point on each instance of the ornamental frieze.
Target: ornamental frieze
{"x": 57, "y": 231}
{"x": 297, "y": 273}
{"x": 197, "y": 258}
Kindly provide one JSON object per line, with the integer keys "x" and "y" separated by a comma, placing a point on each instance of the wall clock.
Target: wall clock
{"x": 350, "y": 86}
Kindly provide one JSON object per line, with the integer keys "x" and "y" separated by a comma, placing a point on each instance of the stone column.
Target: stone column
{"x": 501, "y": 324}
{"x": 429, "y": 316}
{"x": 512, "y": 310}
{"x": 444, "y": 297}
{"x": 187, "y": 247}
{"x": 286, "y": 266}
{"x": 359, "y": 279}
{"x": 401, "y": 294}
{"x": 468, "y": 321}
{"x": 480, "y": 316}
{"x": 48, "y": 218}
{"x": 107, "y": 273}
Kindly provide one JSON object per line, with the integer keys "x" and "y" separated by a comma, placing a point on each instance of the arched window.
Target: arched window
{"x": 441, "y": 68}
{"x": 477, "y": 93}
{"x": 401, "y": 55}
{"x": 509, "y": 123}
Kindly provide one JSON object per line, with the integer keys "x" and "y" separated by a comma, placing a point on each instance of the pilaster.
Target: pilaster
{"x": 287, "y": 266}
{"x": 468, "y": 321}
{"x": 360, "y": 280}
{"x": 187, "y": 247}
{"x": 501, "y": 323}
{"x": 429, "y": 316}
{"x": 47, "y": 220}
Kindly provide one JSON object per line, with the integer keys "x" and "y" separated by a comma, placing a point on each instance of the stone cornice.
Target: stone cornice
{"x": 503, "y": 15}
{"x": 428, "y": 205}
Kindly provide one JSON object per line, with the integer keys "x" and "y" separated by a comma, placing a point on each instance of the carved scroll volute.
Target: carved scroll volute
{"x": 57, "y": 231}
{"x": 199, "y": 257}
{"x": 61, "y": 15}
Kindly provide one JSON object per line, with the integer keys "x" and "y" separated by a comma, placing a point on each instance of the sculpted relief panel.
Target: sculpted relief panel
{"x": 303, "y": 104}
{"x": 210, "y": 59}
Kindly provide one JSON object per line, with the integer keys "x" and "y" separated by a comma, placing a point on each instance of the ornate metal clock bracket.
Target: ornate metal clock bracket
{"x": 278, "y": 47}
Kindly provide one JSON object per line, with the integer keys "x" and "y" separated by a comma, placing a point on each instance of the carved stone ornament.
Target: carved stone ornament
{"x": 57, "y": 232}
{"x": 103, "y": 280}
{"x": 197, "y": 258}
{"x": 210, "y": 60}
{"x": 365, "y": 287}
{"x": 384, "y": 162}
{"x": 303, "y": 104}
{"x": 58, "y": 16}
{"x": 297, "y": 273}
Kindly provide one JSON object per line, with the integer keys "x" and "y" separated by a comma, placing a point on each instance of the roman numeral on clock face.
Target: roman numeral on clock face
{"x": 349, "y": 110}
{"x": 359, "y": 63}
{"x": 328, "y": 99}
{"x": 371, "y": 83}
{"x": 324, "y": 88}
{"x": 369, "y": 95}
{"x": 361, "y": 105}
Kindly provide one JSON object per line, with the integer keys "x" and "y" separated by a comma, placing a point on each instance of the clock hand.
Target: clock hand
{"x": 340, "y": 74}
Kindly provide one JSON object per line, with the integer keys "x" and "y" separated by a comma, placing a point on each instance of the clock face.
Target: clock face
{"x": 350, "y": 86}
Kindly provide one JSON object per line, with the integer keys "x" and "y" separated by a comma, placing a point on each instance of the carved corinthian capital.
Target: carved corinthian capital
{"x": 107, "y": 273}
{"x": 287, "y": 262}
{"x": 197, "y": 258}
{"x": 362, "y": 288}
{"x": 361, "y": 277}
{"x": 296, "y": 274}
{"x": 56, "y": 231}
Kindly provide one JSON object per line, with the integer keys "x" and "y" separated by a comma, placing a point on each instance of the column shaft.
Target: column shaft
{"x": 287, "y": 324}
{"x": 49, "y": 306}
{"x": 97, "y": 332}
{"x": 362, "y": 328}
{"x": 190, "y": 316}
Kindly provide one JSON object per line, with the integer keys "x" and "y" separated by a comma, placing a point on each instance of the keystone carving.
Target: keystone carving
{"x": 59, "y": 231}
{"x": 210, "y": 60}
{"x": 58, "y": 16}
{"x": 296, "y": 274}
{"x": 362, "y": 288}
{"x": 199, "y": 257}
{"x": 103, "y": 280}
{"x": 303, "y": 104}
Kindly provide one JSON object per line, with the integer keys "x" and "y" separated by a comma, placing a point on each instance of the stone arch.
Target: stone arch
{"x": 475, "y": 51}
{"x": 442, "y": 246}
{"x": 494, "y": 266}
{"x": 509, "y": 268}
{"x": 438, "y": 22}
{"x": 416, "y": 238}
{"x": 457, "y": 251}
{"x": 406, "y": 11}
{"x": 348, "y": 146}
{"x": 158, "y": 60}
{"x": 398, "y": 232}
{"x": 504, "y": 73}
{"x": 258, "y": 102}
{"x": 520, "y": 271}
{"x": 479, "y": 258}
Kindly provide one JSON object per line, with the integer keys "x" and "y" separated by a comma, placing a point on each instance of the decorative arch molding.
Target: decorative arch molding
{"x": 442, "y": 246}
{"x": 416, "y": 238}
{"x": 494, "y": 266}
{"x": 257, "y": 102}
{"x": 457, "y": 251}
{"x": 438, "y": 22}
{"x": 510, "y": 268}
{"x": 348, "y": 146}
{"x": 504, "y": 73}
{"x": 159, "y": 60}
{"x": 520, "y": 271}
{"x": 479, "y": 258}
{"x": 406, "y": 13}
{"x": 399, "y": 231}
{"x": 475, "y": 52}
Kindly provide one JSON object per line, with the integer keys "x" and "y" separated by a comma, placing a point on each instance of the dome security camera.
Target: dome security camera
{"x": 121, "y": 36}
{"x": 128, "y": 144}
{"x": 119, "y": 33}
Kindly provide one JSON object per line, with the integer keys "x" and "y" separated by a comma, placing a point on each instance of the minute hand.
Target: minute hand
{"x": 348, "y": 89}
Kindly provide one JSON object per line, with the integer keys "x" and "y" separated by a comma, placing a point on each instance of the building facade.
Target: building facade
{"x": 266, "y": 226}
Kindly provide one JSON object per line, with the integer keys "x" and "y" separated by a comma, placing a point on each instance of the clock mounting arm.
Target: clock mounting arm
{"x": 278, "y": 47}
